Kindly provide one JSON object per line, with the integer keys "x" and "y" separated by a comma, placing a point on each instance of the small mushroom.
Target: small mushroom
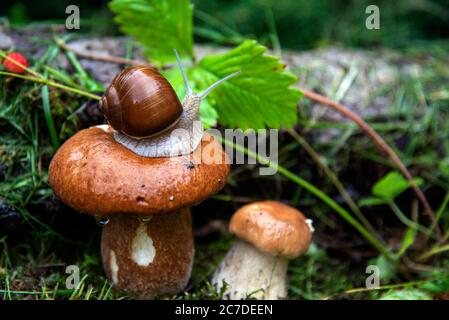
{"x": 147, "y": 245}
{"x": 270, "y": 234}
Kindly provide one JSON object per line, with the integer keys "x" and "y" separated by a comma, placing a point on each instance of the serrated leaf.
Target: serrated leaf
{"x": 259, "y": 97}
{"x": 392, "y": 185}
{"x": 159, "y": 26}
{"x": 207, "y": 114}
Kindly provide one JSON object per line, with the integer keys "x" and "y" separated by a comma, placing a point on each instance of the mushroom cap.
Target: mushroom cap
{"x": 94, "y": 174}
{"x": 273, "y": 228}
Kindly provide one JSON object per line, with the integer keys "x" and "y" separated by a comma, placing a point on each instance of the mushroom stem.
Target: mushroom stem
{"x": 250, "y": 273}
{"x": 149, "y": 257}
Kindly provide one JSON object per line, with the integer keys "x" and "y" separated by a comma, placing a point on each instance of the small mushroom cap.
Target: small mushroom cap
{"x": 94, "y": 174}
{"x": 273, "y": 228}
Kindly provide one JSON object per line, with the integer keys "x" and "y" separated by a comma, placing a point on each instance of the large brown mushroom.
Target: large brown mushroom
{"x": 147, "y": 246}
{"x": 270, "y": 234}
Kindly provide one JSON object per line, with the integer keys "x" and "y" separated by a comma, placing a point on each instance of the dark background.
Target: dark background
{"x": 300, "y": 24}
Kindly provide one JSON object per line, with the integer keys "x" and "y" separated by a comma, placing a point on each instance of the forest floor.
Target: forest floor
{"x": 401, "y": 94}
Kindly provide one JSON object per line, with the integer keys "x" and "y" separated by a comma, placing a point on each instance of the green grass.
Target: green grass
{"x": 33, "y": 124}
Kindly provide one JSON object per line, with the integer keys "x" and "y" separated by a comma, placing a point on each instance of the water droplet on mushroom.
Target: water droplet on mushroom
{"x": 171, "y": 198}
{"x": 101, "y": 221}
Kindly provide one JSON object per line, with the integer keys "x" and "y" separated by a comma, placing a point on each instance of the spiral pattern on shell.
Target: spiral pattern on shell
{"x": 140, "y": 102}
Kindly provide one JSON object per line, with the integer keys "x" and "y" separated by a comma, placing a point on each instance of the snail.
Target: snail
{"x": 143, "y": 108}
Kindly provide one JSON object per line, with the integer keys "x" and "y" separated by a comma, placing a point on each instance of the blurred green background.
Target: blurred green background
{"x": 300, "y": 24}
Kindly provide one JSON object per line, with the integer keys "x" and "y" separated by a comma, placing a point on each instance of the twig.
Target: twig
{"x": 52, "y": 84}
{"x": 37, "y": 77}
{"x": 105, "y": 58}
{"x": 380, "y": 143}
{"x": 17, "y": 63}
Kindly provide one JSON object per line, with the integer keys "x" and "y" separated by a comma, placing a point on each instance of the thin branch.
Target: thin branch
{"x": 380, "y": 143}
{"x": 52, "y": 84}
{"x": 39, "y": 78}
{"x": 17, "y": 63}
{"x": 105, "y": 58}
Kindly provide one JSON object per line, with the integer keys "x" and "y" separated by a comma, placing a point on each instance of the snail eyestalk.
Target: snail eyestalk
{"x": 216, "y": 84}
{"x": 184, "y": 75}
{"x": 189, "y": 90}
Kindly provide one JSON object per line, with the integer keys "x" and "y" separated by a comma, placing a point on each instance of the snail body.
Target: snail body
{"x": 182, "y": 139}
{"x": 143, "y": 108}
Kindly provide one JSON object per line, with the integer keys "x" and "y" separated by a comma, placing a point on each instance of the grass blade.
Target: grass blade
{"x": 49, "y": 119}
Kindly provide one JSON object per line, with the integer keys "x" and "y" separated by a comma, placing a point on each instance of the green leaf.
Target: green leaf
{"x": 388, "y": 269}
{"x": 443, "y": 167}
{"x": 208, "y": 115}
{"x": 371, "y": 201}
{"x": 409, "y": 239}
{"x": 48, "y": 118}
{"x": 392, "y": 185}
{"x": 406, "y": 294}
{"x": 159, "y": 26}
{"x": 259, "y": 97}
{"x": 440, "y": 285}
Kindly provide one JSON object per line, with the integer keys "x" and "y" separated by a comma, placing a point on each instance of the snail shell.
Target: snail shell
{"x": 181, "y": 139}
{"x": 141, "y": 105}
{"x": 140, "y": 102}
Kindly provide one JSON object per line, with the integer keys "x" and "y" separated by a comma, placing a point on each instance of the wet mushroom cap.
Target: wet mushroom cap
{"x": 273, "y": 228}
{"x": 94, "y": 174}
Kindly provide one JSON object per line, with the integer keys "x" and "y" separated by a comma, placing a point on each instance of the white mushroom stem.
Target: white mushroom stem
{"x": 250, "y": 273}
{"x": 149, "y": 257}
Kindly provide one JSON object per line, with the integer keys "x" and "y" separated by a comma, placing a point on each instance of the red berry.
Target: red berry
{"x": 11, "y": 66}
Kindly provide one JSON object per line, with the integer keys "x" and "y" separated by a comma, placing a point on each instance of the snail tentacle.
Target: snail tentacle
{"x": 184, "y": 75}
{"x": 216, "y": 84}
